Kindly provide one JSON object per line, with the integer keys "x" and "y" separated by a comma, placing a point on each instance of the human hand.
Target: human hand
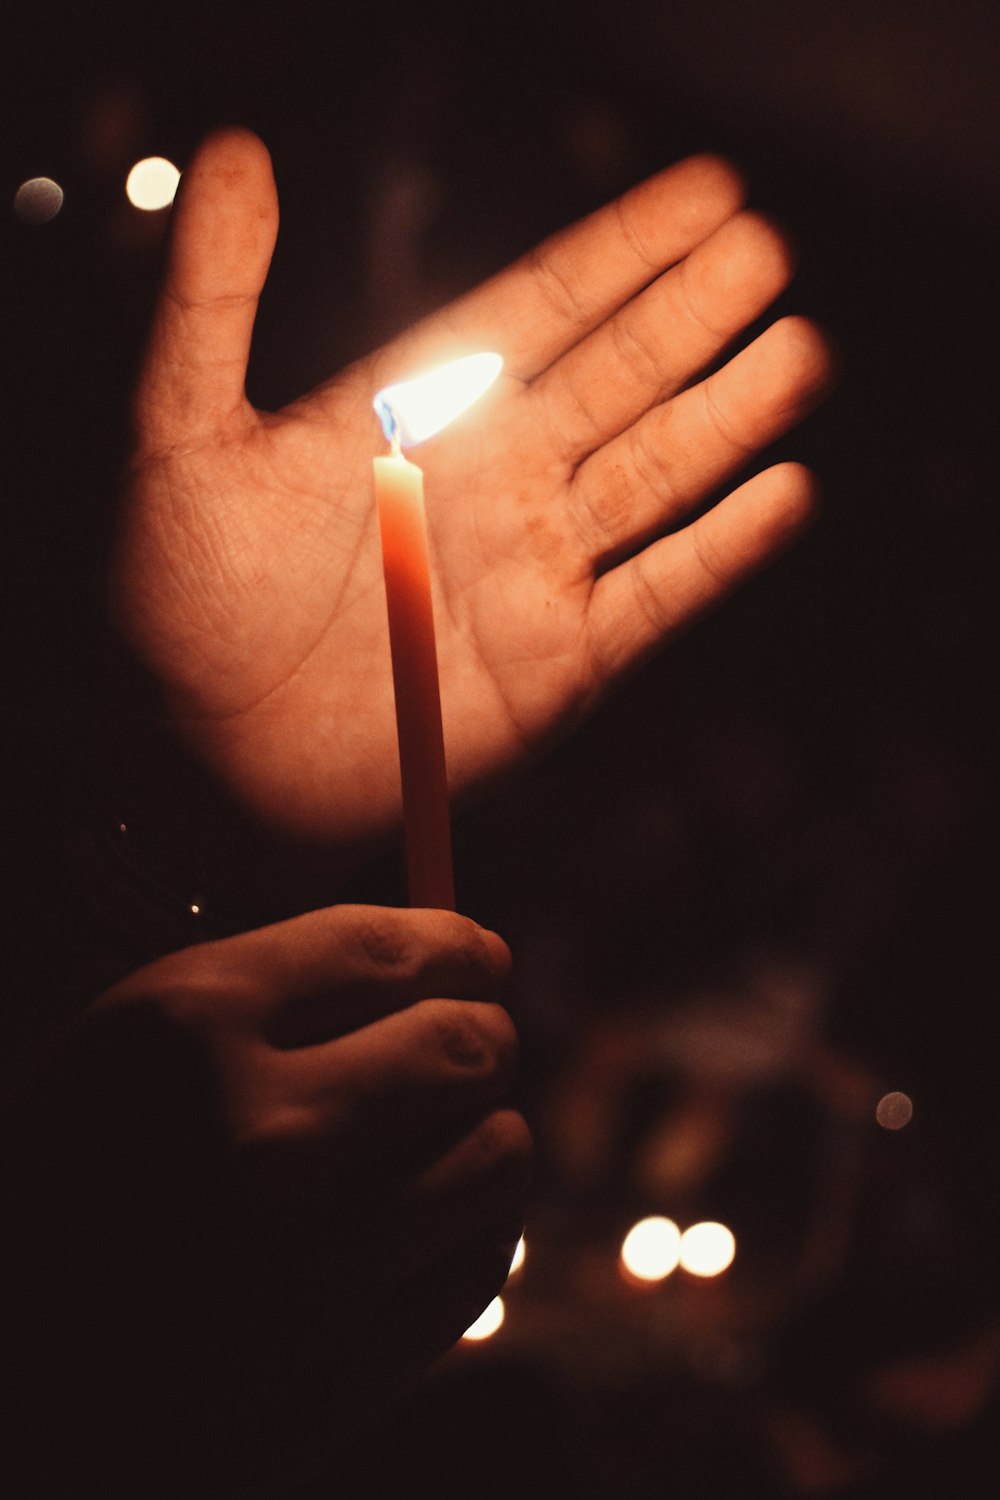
{"x": 300, "y": 1181}
{"x": 248, "y": 572}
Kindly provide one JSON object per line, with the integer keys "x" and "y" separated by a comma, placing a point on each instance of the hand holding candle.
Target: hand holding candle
{"x": 410, "y": 412}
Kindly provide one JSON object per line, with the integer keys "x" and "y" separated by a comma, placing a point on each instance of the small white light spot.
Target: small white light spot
{"x": 518, "y": 1260}
{"x": 152, "y": 183}
{"x": 707, "y": 1249}
{"x": 651, "y": 1249}
{"x": 38, "y": 200}
{"x": 195, "y": 909}
{"x": 894, "y": 1110}
{"x": 487, "y": 1323}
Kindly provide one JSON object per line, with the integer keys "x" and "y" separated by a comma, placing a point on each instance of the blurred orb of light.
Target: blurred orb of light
{"x": 707, "y": 1249}
{"x": 894, "y": 1110}
{"x": 487, "y": 1323}
{"x": 518, "y": 1260}
{"x": 652, "y": 1248}
{"x": 38, "y": 200}
{"x": 152, "y": 183}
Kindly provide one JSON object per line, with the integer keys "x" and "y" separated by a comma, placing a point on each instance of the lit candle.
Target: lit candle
{"x": 410, "y": 412}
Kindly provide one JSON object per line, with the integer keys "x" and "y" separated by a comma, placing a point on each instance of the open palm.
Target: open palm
{"x": 248, "y": 571}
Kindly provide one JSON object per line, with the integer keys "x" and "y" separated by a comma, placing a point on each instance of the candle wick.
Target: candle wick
{"x": 390, "y": 424}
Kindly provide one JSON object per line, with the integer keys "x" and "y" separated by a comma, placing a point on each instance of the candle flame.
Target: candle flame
{"x": 413, "y": 410}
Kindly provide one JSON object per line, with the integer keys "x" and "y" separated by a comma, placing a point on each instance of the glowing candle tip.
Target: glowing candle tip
{"x": 413, "y": 410}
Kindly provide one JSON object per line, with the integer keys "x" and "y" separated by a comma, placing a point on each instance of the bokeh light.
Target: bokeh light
{"x": 894, "y": 1110}
{"x": 38, "y": 200}
{"x": 518, "y": 1260}
{"x": 707, "y": 1249}
{"x": 152, "y": 183}
{"x": 487, "y": 1323}
{"x": 651, "y": 1249}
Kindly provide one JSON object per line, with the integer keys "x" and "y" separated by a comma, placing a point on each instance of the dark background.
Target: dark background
{"x": 754, "y": 893}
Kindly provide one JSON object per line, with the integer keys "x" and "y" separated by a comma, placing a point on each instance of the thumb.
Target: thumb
{"x": 223, "y": 230}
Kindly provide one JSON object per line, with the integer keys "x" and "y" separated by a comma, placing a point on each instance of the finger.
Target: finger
{"x": 314, "y": 977}
{"x": 402, "y": 1089}
{"x": 223, "y": 230}
{"x": 657, "y": 342}
{"x": 647, "y": 479}
{"x": 544, "y": 303}
{"x": 638, "y": 605}
{"x": 334, "y": 970}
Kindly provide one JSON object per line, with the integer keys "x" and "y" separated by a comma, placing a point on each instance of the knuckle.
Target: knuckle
{"x": 489, "y": 951}
{"x": 473, "y": 1036}
{"x": 651, "y": 460}
{"x": 381, "y": 937}
{"x": 712, "y": 561}
{"x": 649, "y": 600}
{"x": 556, "y": 288}
{"x": 722, "y": 424}
{"x": 692, "y": 298}
{"x": 598, "y": 518}
{"x": 635, "y": 345}
{"x": 633, "y": 236}
{"x": 260, "y": 1111}
{"x": 467, "y": 945}
{"x": 275, "y": 1124}
{"x": 504, "y": 1148}
{"x": 575, "y": 417}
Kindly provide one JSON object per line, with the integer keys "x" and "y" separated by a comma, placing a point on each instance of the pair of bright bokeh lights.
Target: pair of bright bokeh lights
{"x": 655, "y": 1247}
{"x": 151, "y": 185}
{"x": 651, "y": 1251}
